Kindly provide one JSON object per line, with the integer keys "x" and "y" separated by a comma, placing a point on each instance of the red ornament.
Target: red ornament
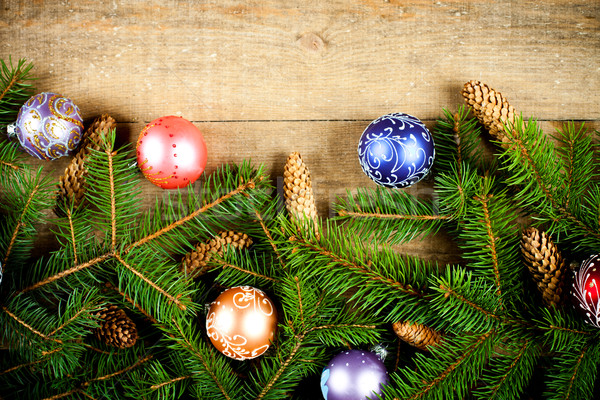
{"x": 171, "y": 152}
{"x": 586, "y": 292}
{"x": 241, "y": 322}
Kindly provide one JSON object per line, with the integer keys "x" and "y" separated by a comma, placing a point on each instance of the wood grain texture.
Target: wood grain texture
{"x": 264, "y": 78}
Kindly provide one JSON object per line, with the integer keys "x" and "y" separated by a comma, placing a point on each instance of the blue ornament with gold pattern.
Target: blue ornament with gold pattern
{"x": 396, "y": 150}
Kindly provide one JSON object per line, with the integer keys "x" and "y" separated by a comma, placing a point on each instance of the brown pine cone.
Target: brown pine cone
{"x": 194, "y": 262}
{"x": 116, "y": 328}
{"x": 297, "y": 191}
{"x": 491, "y": 109}
{"x": 417, "y": 335}
{"x": 546, "y": 264}
{"x": 72, "y": 184}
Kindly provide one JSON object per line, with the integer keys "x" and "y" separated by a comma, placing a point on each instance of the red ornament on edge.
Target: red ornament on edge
{"x": 586, "y": 292}
{"x": 171, "y": 152}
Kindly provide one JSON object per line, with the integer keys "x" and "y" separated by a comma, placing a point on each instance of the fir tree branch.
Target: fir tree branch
{"x": 29, "y": 327}
{"x": 113, "y": 221}
{"x": 69, "y": 216}
{"x": 457, "y": 141}
{"x": 483, "y": 200}
{"x": 169, "y": 382}
{"x": 20, "y": 224}
{"x": 120, "y": 372}
{"x": 28, "y": 364}
{"x": 242, "y": 188}
{"x": 133, "y": 303}
{"x": 70, "y": 271}
{"x": 350, "y": 265}
{"x": 451, "y": 292}
{"x": 283, "y": 367}
{"x": 222, "y": 264}
{"x": 83, "y": 385}
{"x": 387, "y": 215}
{"x": 526, "y": 142}
{"x": 265, "y": 229}
{"x": 9, "y": 165}
{"x": 63, "y": 395}
{"x": 574, "y": 375}
{"x": 70, "y": 320}
{"x": 443, "y": 375}
{"x": 362, "y": 214}
{"x": 14, "y": 90}
{"x": 160, "y": 290}
{"x": 202, "y": 359}
{"x": 17, "y": 75}
{"x": 300, "y": 308}
{"x": 507, "y": 380}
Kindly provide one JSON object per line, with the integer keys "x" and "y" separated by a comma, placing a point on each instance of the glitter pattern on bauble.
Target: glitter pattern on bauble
{"x": 353, "y": 375}
{"x": 171, "y": 152}
{"x": 585, "y": 292}
{"x": 396, "y": 150}
{"x": 48, "y": 126}
{"x": 241, "y": 322}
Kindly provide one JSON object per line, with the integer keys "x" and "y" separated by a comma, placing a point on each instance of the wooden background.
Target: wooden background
{"x": 264, "y": 78}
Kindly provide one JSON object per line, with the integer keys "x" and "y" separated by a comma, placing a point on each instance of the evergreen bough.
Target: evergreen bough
{"x": 337, "y": 285}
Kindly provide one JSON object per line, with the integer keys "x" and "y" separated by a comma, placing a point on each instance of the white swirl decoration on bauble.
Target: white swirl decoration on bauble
{"x": 241, "y": 322}
{"x": 231, "y": 346}
{"x": 586, "y": 290}
{"x": 396, "y": 150}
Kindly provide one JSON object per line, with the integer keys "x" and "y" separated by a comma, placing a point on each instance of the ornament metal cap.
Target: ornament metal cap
{"x": 11, "y": 130}
{"x": 380, "y": 351}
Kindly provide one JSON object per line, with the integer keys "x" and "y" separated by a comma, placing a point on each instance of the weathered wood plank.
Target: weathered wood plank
{"x": 308, "y": 60}
{"x": 264, "y": 78}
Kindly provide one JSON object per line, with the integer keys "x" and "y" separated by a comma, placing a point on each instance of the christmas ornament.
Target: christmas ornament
{"x": 195, "y": 262}
{"x": 72, "y": 183}
{"x": 396, "y": 150}
{"x": 171, "y": 152}
{"x": 116, "y": 328}
{"x": 241, "y": 322}
{"x": 586, "y": 293}
{"x": 491, "y": 109}
{"x": 297, "y": 190}
{"x": 48, "y": 126}
{"x": 545, "y": 263}
{"x": 353, "y": 375}
{"x": 417, "y": 335}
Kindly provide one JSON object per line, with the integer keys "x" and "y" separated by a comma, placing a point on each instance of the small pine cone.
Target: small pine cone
{"x": 490, "y": 108}
{"x": 297, "y": 190}
{"x": 72, "y": 183}
{"x": 546, "y": 264}
{"x": 116, "y": 328}
{"x": 417, "y": 335}
{"x": 195, "y": 262}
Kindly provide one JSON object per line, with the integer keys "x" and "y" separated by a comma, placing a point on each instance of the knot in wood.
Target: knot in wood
{"x": 312, "y": 43}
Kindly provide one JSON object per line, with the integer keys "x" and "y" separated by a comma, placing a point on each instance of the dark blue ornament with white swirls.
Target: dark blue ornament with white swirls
{"x": 396, "y": 150}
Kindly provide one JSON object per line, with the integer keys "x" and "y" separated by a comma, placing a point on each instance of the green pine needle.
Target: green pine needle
{"x": 15, "y": 88}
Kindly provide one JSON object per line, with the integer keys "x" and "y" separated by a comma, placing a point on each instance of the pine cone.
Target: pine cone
{"x": 546, "y": 264}
{"x": 116, "y": 328}
{"x": 194, "y": 263}
{"x": 490, "y": 108}
{"x": 297, "y": 190}
{"x": 72, "y": 184}
{"x": 417, "y": 335}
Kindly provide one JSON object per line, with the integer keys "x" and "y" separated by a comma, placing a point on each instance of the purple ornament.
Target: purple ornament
{"x": 396, "y": 150}
{"x": 353, "y": 375}
{"x": 48, "y": 126}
